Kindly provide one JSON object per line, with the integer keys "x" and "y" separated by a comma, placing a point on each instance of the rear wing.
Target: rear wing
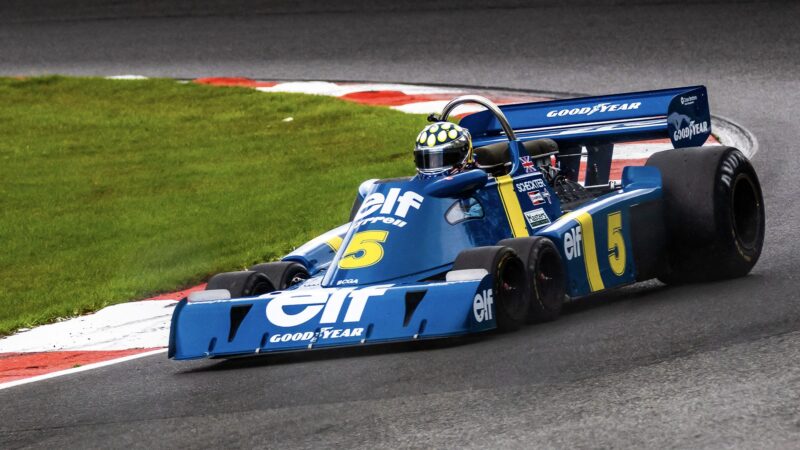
{"x": 680, "y": 114}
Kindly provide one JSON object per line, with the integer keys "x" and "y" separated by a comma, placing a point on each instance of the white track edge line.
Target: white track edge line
{"x": 85, "y": 368}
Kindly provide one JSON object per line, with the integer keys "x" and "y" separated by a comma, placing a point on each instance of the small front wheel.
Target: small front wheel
{"x": 511, "y": 306}
{"x": 282, "y": 274}
{"x": 240, "y": 284}
{"x": 546, "y": 279}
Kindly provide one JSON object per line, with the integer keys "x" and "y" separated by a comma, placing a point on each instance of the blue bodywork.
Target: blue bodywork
{"x": 386, "y": 275}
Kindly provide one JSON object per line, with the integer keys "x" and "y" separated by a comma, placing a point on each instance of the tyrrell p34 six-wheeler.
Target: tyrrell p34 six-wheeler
{"x": 494, "y": 230}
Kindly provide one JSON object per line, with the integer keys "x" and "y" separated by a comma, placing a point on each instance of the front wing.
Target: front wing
{"x": 309, "y": 318}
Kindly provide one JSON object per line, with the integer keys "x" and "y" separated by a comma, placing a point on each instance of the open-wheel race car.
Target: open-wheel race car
{"x": 502, "y": 235}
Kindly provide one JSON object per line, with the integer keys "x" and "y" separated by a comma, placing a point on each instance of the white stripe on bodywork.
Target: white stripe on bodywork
{"x": 466, "y": 275}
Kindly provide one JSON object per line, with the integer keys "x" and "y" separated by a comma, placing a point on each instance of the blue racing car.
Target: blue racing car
{"x": 494, "y": 230}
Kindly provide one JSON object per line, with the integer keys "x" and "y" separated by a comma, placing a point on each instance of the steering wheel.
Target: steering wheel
{"x": 486, "y": 103}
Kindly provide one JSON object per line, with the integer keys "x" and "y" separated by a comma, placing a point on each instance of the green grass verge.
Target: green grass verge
{"x": 116, "y": 190}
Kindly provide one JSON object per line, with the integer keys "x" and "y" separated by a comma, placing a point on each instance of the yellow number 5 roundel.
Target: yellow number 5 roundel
{"x": 616, "y": 244}
{"x": 364, "y": 249}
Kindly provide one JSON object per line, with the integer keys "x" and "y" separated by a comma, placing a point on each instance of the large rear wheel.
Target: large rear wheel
{"x": 714, "y": 213}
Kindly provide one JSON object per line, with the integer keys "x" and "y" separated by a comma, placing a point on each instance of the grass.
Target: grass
{"x": 116, "y": 190}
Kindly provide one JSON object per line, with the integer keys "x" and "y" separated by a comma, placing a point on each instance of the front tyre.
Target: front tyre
{"x": 282, "y": 274}
{"x": 240, "y": 284}
{"x": 714, "y": 212}
{"x": 508, "y": 272}
{"x": 545, "y": 276}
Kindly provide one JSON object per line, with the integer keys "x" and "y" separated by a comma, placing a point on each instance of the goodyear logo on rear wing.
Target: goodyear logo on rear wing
{"x": 590, "y": 110}
{"x": 685, "y": 127}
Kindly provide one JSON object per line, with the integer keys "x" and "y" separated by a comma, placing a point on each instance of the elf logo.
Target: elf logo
{"x": 482, "y": 305}
{"x": 315, "y": 301}
{"x": 391, "y": 204}
{"x": 572, "y": 243}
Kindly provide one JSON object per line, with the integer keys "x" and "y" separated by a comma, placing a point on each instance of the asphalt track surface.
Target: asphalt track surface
{"x": 710, "y": 365}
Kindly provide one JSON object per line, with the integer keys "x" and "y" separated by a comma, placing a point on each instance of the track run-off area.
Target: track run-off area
{"x": 710, "y": 365}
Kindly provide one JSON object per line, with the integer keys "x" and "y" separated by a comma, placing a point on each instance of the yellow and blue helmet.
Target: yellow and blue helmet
{"x": 442, "y": 146}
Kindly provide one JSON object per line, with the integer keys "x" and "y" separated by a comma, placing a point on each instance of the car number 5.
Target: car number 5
{"x": 364, "y": 249}
{"x": 616, "y": 244}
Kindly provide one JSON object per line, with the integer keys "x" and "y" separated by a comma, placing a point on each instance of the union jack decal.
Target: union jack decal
{"x": 527, "y": 164}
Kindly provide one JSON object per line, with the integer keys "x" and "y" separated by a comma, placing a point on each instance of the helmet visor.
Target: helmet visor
{"x": 436, "y": 159}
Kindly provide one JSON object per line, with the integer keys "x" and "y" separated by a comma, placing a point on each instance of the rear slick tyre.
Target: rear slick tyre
{"x": 714, "y": 212}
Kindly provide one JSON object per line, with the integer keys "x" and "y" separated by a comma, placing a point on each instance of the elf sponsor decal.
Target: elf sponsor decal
{"x": 482, "y": 305}
{"x": 579, "y": 243}
{"x": 598, "y": 108}
{"x": 392, "y": 207}
{"x": 572, "y": 243}
{"x": 293, "y": 308}
{"x": 537, "y": 218}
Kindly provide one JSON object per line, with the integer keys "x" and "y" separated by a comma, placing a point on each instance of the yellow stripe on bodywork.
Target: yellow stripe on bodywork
{"x": 590, "y": 251}
{"x": 334, "y": 243}
{"x": 588, "y": 246}
{"x": 505, "y": 185}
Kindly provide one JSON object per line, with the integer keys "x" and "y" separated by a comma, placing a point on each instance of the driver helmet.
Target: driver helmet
{"x": 442, "y": 147}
